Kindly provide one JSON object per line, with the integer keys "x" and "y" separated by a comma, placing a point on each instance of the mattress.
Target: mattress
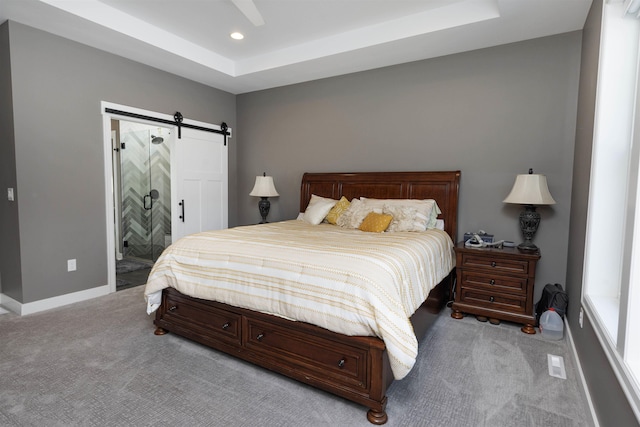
{"x": 345, "y": 280}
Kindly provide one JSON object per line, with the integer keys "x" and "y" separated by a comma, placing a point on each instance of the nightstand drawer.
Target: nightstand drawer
{"x": 493, "y": 282}
{"x": 494, "y": 301}
{"x": 496, "y": 263}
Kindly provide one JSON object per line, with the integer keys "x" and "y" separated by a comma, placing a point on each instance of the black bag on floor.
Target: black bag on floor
{"x": 552, "y": 296}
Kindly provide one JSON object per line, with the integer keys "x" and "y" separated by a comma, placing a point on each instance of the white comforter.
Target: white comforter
{"x": 347, "y": 281}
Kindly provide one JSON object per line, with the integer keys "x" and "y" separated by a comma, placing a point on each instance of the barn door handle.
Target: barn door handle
{"x": 182, "y": 205}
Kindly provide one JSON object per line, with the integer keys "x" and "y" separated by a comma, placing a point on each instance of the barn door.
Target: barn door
{"x": 201, "y": 180}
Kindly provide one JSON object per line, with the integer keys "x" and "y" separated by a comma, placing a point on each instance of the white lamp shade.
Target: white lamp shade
{"x": 264, "y": 187}
{"x": 530, "y": 189}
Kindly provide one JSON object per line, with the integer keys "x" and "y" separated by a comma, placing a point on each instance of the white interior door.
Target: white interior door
{"x": 201, "y": 183}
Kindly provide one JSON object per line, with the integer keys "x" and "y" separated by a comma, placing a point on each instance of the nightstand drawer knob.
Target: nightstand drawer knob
{"x": 173, "y": 308}
{"x": 492, "y": 282}
{"x": 226, "y": 326}
{"x": 491, "y": 299}
{"x": 341, "y": 363}
{"x": 260, "y": 337}
{"x": 493, "y": 263}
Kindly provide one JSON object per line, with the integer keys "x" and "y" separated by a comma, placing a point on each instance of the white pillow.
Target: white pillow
{"x": 317, "y": 209}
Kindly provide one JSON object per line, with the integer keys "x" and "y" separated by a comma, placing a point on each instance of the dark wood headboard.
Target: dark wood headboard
{"x": 441, "y": 186}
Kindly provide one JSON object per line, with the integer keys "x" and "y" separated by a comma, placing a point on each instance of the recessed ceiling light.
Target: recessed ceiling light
{"x": 237, "y": 36}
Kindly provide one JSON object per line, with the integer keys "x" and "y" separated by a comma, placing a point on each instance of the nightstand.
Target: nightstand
{"x": 495, "y": 284}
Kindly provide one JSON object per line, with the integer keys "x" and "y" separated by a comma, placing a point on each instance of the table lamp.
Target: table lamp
{"x": 530, "y": 190}
{"x": 264, "y": 189}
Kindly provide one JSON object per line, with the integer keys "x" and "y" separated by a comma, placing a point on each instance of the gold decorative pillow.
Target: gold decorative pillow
{"x": 337, "y": 210}
{"x": 375, "y": 222}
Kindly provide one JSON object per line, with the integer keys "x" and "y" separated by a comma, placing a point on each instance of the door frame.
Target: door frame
{"x": 108, "y": 168}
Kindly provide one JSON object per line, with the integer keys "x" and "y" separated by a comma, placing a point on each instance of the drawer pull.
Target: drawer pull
{"x": 341, "y": 363}
{"x": 226, "y": 326}
{"x": 173, "y": 308}
{"x": 493, "y": 263}
{"x": 259, "y": 337}
{"x": 491, "y": 299}
{"x": 492, "y": 282}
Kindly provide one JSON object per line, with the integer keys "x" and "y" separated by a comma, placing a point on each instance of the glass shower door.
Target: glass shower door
{"x": 146, "y": 196}
{"x": 159, "y": 195}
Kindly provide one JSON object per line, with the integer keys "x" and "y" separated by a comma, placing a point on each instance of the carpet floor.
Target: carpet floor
{"x": 98, "y": 363}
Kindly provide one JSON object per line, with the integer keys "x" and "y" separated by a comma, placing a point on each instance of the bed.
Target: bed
{"x": 357, "y": 367}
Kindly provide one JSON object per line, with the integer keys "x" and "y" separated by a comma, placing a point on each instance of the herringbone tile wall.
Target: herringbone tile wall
{"x": 144, "y": 167}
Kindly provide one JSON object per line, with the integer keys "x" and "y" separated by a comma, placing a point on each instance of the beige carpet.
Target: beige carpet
{"x": 97, "y": 363}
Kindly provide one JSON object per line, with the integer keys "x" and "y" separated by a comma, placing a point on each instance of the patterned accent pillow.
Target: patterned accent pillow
{"x": 405, "y": 218}
{"x": 375, "y": 222}
{"x": 335, "y": 212}
{"x": 427, "y": 209}
{"x": 354, "y": 215}
{"x": 433, "y": 216}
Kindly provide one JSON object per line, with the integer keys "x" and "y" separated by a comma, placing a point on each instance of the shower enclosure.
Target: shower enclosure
{"x": 143, "y": 181}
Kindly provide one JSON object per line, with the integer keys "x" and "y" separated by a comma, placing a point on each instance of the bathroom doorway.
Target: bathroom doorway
{"x": 186, "y": 162}
{"x": 142, "y": 198}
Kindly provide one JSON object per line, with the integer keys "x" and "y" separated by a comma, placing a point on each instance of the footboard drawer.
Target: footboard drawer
{"x": 199, "y": 317}
{"x": 317, "y": 357}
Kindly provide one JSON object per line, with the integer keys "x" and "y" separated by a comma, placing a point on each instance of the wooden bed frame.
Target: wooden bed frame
{"x": 355, "y": 368}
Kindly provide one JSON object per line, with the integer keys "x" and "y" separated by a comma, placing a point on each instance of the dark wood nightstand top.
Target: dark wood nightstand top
{"x": 504, "y": 252}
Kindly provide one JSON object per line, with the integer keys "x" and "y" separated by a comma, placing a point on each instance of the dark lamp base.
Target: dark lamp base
{"x": 527, "y": 247}
{"x": 529, "y": 221}
{"x": 263, "y": 205}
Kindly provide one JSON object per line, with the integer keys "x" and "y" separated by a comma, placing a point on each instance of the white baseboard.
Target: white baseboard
{"x": 54, "y": 302}
{"x": 583, "y": 380}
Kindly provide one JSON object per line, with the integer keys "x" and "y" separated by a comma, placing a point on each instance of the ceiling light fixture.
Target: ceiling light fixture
{"x": 237, "y": 36}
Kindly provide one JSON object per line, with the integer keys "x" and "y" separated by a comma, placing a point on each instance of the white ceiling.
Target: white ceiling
{"x": 301, "y": 40}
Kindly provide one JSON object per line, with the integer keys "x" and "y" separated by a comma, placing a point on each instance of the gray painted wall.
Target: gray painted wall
{"x": 57, "y": 87}
{"x": 10, "y": 275}
{"x": 491, "y": 113}
{"x": 609, "y": 400}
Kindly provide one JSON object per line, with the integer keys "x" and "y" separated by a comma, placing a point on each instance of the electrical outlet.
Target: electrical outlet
{"x": 71, "y": 265}
{"x": 581, "y": 317}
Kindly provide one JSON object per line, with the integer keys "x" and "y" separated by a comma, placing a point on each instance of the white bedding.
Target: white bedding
{"x": 344, "y": 280}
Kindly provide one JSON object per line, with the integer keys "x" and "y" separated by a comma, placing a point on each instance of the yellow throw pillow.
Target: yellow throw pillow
{"x": 337, "y": 210}
{"x": 376, "y": 222}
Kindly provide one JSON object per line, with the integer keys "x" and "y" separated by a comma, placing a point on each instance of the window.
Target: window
{"x": 611, "y": 285}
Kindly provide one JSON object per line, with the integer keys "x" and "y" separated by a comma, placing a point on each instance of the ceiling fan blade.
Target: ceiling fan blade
{"x": 249, "y": 9}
